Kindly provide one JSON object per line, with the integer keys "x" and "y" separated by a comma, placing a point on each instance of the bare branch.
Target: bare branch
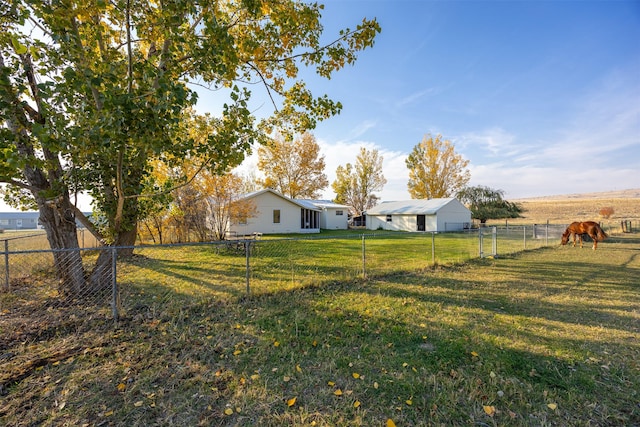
{"x": 266, "y": 85}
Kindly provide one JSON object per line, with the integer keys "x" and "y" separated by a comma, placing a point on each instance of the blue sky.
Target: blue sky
{"x": 542, "y": 98}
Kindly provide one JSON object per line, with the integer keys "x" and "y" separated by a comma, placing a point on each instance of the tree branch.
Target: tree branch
{"x": 81, "y": 217}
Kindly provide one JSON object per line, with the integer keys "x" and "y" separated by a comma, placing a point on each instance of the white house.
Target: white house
{"x": 334, "y": 216}
{"x": 278, "y": 214}
{"x": 419, "y": 215}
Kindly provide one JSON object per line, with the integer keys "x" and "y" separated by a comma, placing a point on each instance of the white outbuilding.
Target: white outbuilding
{"x": 434, "y": 215}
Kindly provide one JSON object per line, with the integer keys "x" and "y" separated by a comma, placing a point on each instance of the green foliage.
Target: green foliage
{"x": 486, "y": 203}
{"x": 94, "y": 92}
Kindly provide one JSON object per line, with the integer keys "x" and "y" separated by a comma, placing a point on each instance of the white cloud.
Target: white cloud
{"x": 342, "y": 152}
{"x": 496, "y": 141}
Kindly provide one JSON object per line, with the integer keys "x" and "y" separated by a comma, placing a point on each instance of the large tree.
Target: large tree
{"x": 435, "y": 169}
{"x": 92, "y": 91}
{"x": 226, "y": 206}
{"x": 355, "y": 184}
{"x": 293, "y": 166}
{"x": 486, "y": 203}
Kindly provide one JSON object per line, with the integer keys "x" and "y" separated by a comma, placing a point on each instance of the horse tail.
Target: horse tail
{"x": 600, "y": 233}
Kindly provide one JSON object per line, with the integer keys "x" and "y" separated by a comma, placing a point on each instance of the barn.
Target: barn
{"x": 434, "y": 215}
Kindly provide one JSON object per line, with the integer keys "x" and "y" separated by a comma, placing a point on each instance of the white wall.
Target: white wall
{"x": 401, "y": 222}
{"x": 330, "y": 221}
{"x": 262, "y": 222}
{"x": 453, "y": 216}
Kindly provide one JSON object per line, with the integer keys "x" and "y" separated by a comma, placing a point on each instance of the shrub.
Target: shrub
{"x": 606, "y": 212}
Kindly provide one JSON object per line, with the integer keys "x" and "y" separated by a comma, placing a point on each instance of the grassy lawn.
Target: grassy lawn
{"x": 547, "y": 337}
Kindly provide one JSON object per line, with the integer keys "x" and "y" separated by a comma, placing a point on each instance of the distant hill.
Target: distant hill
{"x": 633, "y": 193}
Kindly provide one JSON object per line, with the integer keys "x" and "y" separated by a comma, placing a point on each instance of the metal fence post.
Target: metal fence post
{"x": 247, "y": 249}
{"x": 6, "y": 264}
{"x": 433, "y": 248}
{"x": 524, "y": 237}
{"x": 494, "y": 241}
{"x": 364, "y": 258}
{"x": 481, "y": 242}
{"x": 114, "y": 284}
{"x": 546, "y": 234}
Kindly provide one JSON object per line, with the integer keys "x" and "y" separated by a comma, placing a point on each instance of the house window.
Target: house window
{"x": 276, "y": 216}
{"x": 339, "y": 213}
{"x": 388, "y": 218}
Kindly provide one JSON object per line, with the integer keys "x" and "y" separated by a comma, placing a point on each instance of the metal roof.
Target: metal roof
{"x": 302, "y": 203}
{"x": 324, "y": 203}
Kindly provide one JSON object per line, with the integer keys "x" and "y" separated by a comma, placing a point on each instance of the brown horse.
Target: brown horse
{"x": 579, "y": 228}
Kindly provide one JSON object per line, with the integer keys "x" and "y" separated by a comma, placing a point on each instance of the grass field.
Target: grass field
{"x": 547, "y": 337}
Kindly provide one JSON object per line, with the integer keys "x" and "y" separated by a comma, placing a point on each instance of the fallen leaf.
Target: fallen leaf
{"x": 390, "y": 423}
{"x": 489, "y": 410}
{"x": 138, "y": 403}
{"x": 237, "y": 352}
{"x": 409, "y": 402}
{"x": 276, "y": 344}
{"x": 228, "y": 411}
{"x": 474, "y": 354}
{"x": 286, "y": 379}
{"x": 356, "y": 404}
{"x": 355, "y": 375}
{"x": 331, "y": 383}
{"x": 298, "y": 368}
{"x": 121, "y": 387}
{"x": 375, "y": 385}
{"x": 291, "y": 402}
{"x": 108, "y": 413}
{"x": 552, "y": 406}
{"x": 338, "y": 392}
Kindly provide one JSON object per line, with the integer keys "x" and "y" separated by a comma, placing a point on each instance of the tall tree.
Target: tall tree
{"x": 486, "y": 203}
{"x": 293, "y": 166}
{"x": 435, "y": 169}
{"x": 226, "y": 207}
{"x": 92, "y": 91}
{"x": 355, "y": 185}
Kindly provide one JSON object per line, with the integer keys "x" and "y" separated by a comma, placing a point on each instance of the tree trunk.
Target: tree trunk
{"x": 59, "y": 223}
{"x": 101, "y": 277}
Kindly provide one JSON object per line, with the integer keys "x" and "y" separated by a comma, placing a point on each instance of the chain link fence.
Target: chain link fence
{"x": 111, "y": 282}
